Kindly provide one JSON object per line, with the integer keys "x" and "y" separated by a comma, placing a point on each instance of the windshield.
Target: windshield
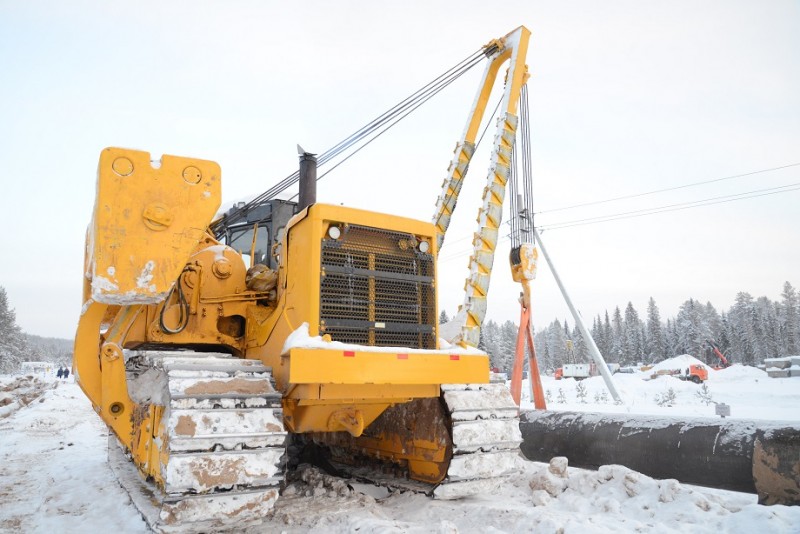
{"x": 242, "y": 241}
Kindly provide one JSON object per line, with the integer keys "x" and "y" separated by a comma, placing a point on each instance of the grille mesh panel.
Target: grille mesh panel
{"x": 377, "y": 290}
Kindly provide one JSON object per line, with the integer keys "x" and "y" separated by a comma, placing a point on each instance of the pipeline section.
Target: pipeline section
{"x": 752, "y": 456}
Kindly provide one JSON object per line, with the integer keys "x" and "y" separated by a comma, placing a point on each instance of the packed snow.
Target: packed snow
{"x": 749, "y": 392}
{"x": 56, "y": 478}
{"x": 300, "y": 338}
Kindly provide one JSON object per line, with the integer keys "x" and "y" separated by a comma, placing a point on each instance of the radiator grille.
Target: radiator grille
{"x": 376, "y": 290}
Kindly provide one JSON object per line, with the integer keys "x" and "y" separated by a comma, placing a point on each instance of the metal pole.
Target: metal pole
{"x": 593, "y": 350}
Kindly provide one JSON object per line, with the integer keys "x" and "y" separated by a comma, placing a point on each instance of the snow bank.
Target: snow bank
{"x": 19, "y": 391}
{"x": 749, "y": 392}
{"x": 678, "y": 362}
{"x": 739, "y": 373}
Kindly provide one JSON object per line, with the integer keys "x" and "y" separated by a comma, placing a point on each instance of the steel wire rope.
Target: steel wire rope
{"x": 514, "y": 215}
{"x": 527, "y": 168}
{"x": 684, "y": 186}
{"x": 526, "y": 171}
{"x": 424, "y": 94}
{"x": 432, "y": 87}
{"x": 386, "y": 129}
{"x": 420, "y": 97}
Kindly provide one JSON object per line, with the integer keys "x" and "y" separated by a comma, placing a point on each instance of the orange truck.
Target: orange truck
{"x": 695, "y": 372}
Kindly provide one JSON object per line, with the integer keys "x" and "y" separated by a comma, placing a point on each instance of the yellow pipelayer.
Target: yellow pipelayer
{"x": 156, "y": 280}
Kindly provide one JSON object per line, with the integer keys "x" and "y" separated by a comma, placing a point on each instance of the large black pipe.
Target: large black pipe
{"x": 736, "y": 455}
{"x": 308, "y": 179}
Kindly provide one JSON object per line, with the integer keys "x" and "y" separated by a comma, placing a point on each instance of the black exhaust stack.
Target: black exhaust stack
{"x": 308, "y": 179}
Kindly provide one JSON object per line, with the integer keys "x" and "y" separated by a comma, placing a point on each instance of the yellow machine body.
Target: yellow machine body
{"x": 155, "y": 278}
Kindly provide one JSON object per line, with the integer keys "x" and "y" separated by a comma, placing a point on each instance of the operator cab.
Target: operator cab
{"x": 271, "y": 218}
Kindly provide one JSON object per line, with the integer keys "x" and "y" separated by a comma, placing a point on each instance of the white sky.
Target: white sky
{"x": 626, "y": 97}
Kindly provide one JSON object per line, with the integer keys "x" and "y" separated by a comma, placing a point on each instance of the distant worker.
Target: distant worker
{"x": 66, "y": 373}
{"x": 60, "y": 372}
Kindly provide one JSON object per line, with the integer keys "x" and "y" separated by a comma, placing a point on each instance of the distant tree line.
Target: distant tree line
{"x": 12, "y": 340}
{"x": 747, "y": 333}
{"x": 17, "y": 347}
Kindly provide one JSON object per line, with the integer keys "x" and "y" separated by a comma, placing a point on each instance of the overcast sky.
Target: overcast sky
{"x": 626, "y": 98}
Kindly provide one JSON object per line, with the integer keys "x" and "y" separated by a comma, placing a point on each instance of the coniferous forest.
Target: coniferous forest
{"x": 16, "y": 346}
{"x": 751, "y": 330}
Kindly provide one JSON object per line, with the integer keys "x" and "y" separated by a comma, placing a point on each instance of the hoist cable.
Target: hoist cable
{"x": 380, "y": 133}
{"x": 402, "y": 108}
{"x": 527, "y": 171}
{"x": 514, "y": 204}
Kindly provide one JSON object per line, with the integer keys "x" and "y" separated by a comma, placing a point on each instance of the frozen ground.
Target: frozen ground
{"x": 749, "y": 392}
{"x": 55, "y": 477}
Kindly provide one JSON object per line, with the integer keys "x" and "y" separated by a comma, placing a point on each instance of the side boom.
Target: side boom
{"x": 513, "y": 48}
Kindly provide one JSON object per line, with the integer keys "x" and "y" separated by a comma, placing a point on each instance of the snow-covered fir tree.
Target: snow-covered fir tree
{"x": 580, "y": 346}
{"x": 633, "y": 343}
{"x": 617, "y": 353}
{"x": 490, "y": 344}
{"x": 789, "y": 320}
{"x": 12, "y": 340}
{"x": 693, "y": 329}
{"x": 508, "y": 343}
{"x": 742, "y": 330}
{"x": 655, "y": 344}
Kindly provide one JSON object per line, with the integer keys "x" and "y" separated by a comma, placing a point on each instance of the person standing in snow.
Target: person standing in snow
{"x": 60, "y": 372}
{"x": 66, "y": 373}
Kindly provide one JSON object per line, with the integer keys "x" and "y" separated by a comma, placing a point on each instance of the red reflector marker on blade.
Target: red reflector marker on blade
{"x": 349, "y": 354}
{"x": 455, "y": 357}
{"x": 402, "y": 356}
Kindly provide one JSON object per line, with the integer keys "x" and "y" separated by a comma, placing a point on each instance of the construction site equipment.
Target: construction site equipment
{"x": 694, "y": 373}
{"x": 523, "y": 258}
{"x": 718, "y": 353}
{"x": 748, "y": 456}
{"x": 472, "y": 312}
{"x": 578, "y": 371}
{"x": 207, "y": 345}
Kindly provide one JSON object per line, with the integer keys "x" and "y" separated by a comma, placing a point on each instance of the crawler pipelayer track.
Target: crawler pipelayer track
{"x": 471, "y": 434}
{"x": 222, "y": 435}
{"x": 225, "y": 445}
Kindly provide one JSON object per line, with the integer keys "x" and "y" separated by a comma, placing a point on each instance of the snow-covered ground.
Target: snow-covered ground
{"x": 749, "y": 392}
{"x": 55, "y": 477}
